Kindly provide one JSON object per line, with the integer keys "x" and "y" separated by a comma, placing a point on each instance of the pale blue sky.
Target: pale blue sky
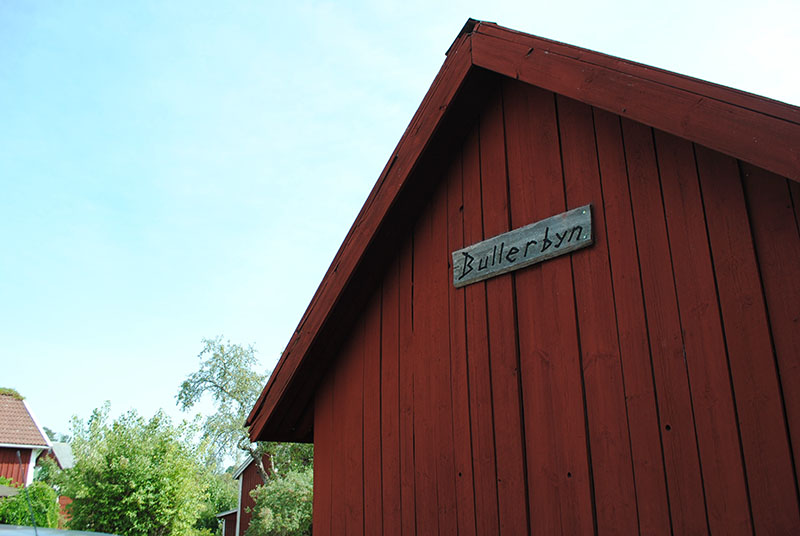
{"x": 178, "y": 170}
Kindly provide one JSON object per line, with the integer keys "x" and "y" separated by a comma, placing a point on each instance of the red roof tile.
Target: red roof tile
{"x": 17, "y": 426}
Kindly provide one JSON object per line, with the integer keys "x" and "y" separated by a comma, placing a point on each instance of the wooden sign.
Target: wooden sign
{"x": 522, "y": 247}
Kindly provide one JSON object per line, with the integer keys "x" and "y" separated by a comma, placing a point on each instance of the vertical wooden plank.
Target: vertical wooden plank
{"x": 353, "y": 423}
{"x": 600, "y": 357}
{"x": 777, "y": 242}
{"x": 556, "y": 443}
{"x": 648, "y": 467}
{"x": 794, "y": 187}
{"x": 390, "y": 402}
{"x": 704, "y": 345}
{"x": 323, "y": 460}
{"x": 339, "y": 379}
{"x": 373, "y": 503}
{"x": 663, "y": 323}
{"x": 425, "y": 447}
{"x": 767, "y": 457}
{"x": 480, "y": 391}
{"x": 434, "y": 287}
{"x": 506, "y": 400}
{"x": 462, "y": 436}
{"x": 406, "y": 386}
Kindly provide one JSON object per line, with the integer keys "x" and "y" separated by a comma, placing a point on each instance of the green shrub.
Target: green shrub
{"x": 283, "y": 505}
{"x": 44, "y": 502}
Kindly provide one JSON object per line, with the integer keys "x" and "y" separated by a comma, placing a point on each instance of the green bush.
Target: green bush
{"x": 283, "y": 505}
{"x": 44, "y": 502}
{"x": 134, "y": 477}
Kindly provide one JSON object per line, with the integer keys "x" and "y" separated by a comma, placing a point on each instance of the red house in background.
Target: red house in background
{"x": 19, "y": 431}
{"x": 236, "y": 522}
{"x": 648, "y": 383}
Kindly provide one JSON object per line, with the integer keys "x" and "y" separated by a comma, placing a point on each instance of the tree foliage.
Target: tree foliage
{"x": 44, "y": 503}
{"x": 222, "y": 494}
{"x": 283, "y": 505}
{"x": 47, "y": 471}
{"x": 227, "y": 374}
{"x": 134, "y": 476}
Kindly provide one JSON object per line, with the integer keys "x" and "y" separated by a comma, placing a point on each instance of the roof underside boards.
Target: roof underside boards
{"x": 753, "y": 129}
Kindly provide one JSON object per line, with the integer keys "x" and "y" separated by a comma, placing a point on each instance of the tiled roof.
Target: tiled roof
{"x": 17, "y": 426}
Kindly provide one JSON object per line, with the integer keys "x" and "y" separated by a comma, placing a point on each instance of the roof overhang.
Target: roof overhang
{"x": 26, "y": 447}
{"x": 748, "y": 127}
{"x": 242, "y": 468}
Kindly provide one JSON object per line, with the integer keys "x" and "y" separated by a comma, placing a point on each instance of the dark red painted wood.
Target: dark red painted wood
{"x": 645, "y": 441}
{"x": 339, "y": 379}
{"x": 435, "y": 286}
{"x": 685, "y": 489}
{"x": 228, "y": 522}
{"x": 353, "y": 431}
{"x": 10, "y": 466}
{"x": 390, "y": 403}
{"x": 733, "y": 130}
{"x": 675, "y": 80}
{"x": 777, "y": 242}
{"x": 250, "y": 480}
{"x": 477, "y": 354}
{"x": 612, "y": 470}
{"x": 558, "y": 472}
{"x": 704, "y": 344}
{"x": 425, "y": 484}
{"x": 324, "y": 448}
{"x": 406, "y": 370}
{"x": 462, "y": 430}
{"x": 795, "y": 189}
{"x": 768, "y": 460}
{"x": 372, "y": 462}
{"x": 501, "y": 318}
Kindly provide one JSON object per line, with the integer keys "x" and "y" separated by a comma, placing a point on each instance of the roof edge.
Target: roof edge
{"x": 403, "y": 159}
{"x": 38, "y": 427}
{"x": 27, "y": 447}
{"x": 465, "y": 30}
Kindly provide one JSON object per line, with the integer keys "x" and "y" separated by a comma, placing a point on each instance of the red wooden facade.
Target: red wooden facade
{"x": 648, "y": 384}
{"x": 249, "y": 479}
{"x": 10, "y": 466}
{"x": 228, "y": 523}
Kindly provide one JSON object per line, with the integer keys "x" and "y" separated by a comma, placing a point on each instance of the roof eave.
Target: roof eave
{"x": 412, "y": 144}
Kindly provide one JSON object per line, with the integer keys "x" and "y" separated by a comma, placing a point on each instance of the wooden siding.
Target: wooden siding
{"x": 228, "y": 523}
{"x": 250, "y": 480}
{"x": 10, "y": 465}
{"x": 645, "y": 385}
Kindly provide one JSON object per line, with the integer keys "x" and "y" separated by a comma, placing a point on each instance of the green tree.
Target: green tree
{"x": 227, "y": 375}
{"x": 47, "y": 471}
{"x": 283, "y": 503}
{"x": 44, "y": 503}
{"x": 222, "y": 494}
{"x": 133, "y": 476}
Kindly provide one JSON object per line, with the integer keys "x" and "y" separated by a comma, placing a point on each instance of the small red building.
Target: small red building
{"x": 19, "y": 432}
{"x": 647, "y": 383}
{"x": 236, "y": 522}
{"x": 228, "y": 522}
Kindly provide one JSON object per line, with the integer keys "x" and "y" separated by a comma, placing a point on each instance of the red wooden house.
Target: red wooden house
{"x": 236, "y": 522}
{"x": 19, "y": 432}
{"x": 648, "y": 383}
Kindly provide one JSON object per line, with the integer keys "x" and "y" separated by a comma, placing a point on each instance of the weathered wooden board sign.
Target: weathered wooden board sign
{"x": 522, "y": 247}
